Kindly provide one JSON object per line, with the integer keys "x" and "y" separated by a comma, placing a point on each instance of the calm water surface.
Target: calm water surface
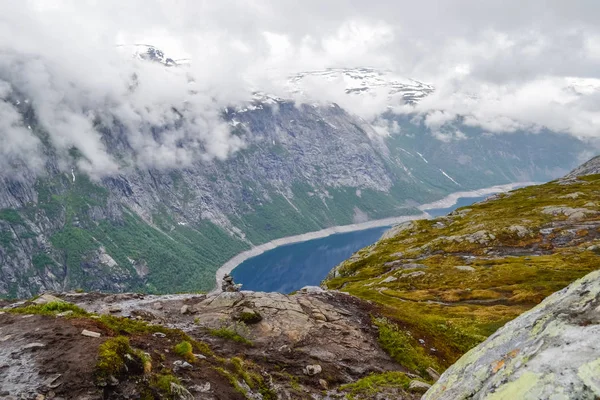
{"x": 293, "y": 266}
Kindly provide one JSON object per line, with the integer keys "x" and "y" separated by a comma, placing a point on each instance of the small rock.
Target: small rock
{"x": 205, "y": 388}
{"x": 181, "y": 393}
{"x": 47, "y": 298}
{"x": 87, "y": 333}
{"x": 5, "y": 338}
{"x": 143, "y": 314}
{"x": 433, "y": 374}
{"x": 311, "y": 289}
{"x": 519, "y": 230}
{"x": 285, "y": 349}
{"x": 112, "y": 381}
{"x": 51, "y": 382}
{"x": 64, "y": 313}
{"x": 319, "y": 316}
{"x": 421, "y": 341}
{"x": 40, "y": 397}
{"x": 200, "y": 356}
{"x": 159, "y": 335}
{"x": 179, "y": 364}
{"x": 323, "y": 384}
{"x": 413, "y": 274}
{"x": 27, "y": 316}
{"x": 464, "y": 268}
{"x": 115, "y": 309}
{"x": 418, "y": 386}
{"x": 247, "y": 315}
{"x": 571, "y": 195}
{"x": 185, "y": 309}
{"x": 311, "y": 370}
{"x": 33, "y": 346}
{"x": 389, "y": 279}
{"x": 157, "y": 306}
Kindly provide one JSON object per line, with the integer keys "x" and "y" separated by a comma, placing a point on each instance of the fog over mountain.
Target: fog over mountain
{"x": 503, "y": 65}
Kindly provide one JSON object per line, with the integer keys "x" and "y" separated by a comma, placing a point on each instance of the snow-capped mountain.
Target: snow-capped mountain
{"x": 365, "y": 80}
{"x": 151, "y": 53}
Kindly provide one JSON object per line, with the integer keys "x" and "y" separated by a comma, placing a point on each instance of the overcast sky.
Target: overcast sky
{"x": 504, "y": 64}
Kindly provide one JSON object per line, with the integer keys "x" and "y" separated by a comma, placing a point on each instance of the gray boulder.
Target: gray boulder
{"x": 551, "y": 351}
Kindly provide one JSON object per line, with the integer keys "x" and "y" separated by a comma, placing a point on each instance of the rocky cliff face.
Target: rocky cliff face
{"x": 303, "y": 168}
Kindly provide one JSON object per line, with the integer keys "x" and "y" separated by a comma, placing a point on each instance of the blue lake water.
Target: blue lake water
{"x": 293, "y": 266}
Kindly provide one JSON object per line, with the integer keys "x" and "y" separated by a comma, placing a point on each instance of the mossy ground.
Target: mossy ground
{"x": 230, "y": 334}
{"x": 371, "y": 385}
{"x": 439, "y": 314}
{"x": 51, "y": 308}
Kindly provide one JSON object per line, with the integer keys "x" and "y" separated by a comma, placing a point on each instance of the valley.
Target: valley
{"x": 283, "y": 266}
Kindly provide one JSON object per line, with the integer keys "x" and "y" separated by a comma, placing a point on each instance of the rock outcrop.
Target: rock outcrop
{"x": 551, "y": 351}
{"x": 307, "y": 345}
{"x": 590, "y": 167}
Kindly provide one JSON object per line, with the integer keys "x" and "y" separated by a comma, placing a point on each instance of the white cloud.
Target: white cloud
{"x": 503, "y": 65}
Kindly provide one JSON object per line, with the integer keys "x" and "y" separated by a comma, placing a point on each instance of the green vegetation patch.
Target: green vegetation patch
{"x": 11, "y": 216}
{"x": 403, "y": 347}
{"x": 52, "y": 308}
{"x": 116, "y": 357}
{"x": 185, "y": 350}
{"x": 229, "y": 334}
{"x": 371, "y": 385}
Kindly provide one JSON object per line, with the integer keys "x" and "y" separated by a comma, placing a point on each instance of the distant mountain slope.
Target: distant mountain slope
{"x": 589, "y": 168}
{"x": 303, "y": 168}
{"x": 448, "y": 283}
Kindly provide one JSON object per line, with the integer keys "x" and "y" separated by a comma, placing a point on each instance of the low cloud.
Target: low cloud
{"x": 501, "y": 65}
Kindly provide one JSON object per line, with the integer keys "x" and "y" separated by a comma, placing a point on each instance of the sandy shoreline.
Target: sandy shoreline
{"x": 447, "y": 201}
{"x": 452, "y": 198}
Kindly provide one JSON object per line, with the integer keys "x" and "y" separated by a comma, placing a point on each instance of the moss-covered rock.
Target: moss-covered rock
{"x": 552, "y": 351}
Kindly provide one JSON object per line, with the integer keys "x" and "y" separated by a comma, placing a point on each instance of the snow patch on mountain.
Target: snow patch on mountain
{"x": 358, "y": 81}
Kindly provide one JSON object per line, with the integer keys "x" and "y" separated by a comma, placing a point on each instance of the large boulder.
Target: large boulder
{"x": 551, "y": 351}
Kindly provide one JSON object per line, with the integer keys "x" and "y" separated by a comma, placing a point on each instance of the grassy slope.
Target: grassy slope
{"x": 452, "y": 310}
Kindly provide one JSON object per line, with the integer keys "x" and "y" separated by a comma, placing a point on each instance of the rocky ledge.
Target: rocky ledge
{"x": 241, "y": 345}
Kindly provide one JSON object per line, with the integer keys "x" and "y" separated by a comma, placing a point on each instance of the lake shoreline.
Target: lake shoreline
{"x": 447, "y": 201}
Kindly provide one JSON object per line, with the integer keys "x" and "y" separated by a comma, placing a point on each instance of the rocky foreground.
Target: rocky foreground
{"x": 236, "y": 345}
{"x": 550, "y": 352}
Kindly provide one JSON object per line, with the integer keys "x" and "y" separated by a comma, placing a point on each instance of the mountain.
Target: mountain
{"x": 446, "y": 284}
{"x": 302, "y": 167}
{"x": 426, "y": 293}
{"x": 365, "y": 81}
